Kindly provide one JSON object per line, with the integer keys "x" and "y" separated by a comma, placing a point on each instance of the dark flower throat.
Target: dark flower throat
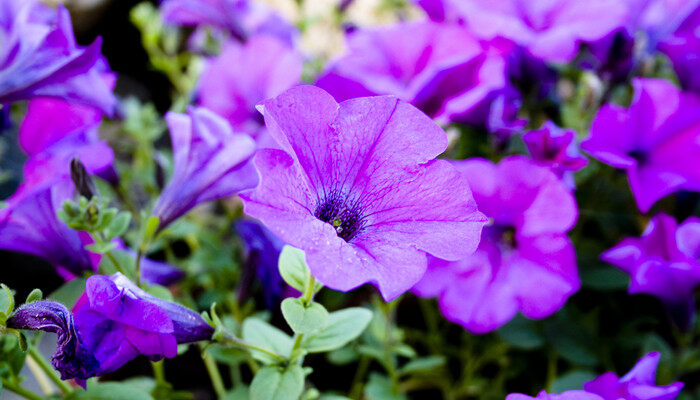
{"x": 344, "y": 215}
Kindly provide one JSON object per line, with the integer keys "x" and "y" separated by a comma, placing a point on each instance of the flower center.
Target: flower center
{"x": 342, "y": 214}
{"x": 639, "y": 155}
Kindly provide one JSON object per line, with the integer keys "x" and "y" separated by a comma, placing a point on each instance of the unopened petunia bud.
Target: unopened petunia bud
{"x": 82, "y": 180}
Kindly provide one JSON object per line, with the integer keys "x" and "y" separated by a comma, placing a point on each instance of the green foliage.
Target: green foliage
{"x": 294, "y": 270}
{"x": 343, "y": 326}
{"x": 277, "y": 383}
{"x": 261, "y": 334}
{"x": 302, "y": 318}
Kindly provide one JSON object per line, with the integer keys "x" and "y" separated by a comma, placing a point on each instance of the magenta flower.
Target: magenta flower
{"x": 40, "y": 58}
{"x": 441, "y": 69}
{"x": 656, "y": 140}
{"x": 525, "y": 262}
{"x": 556, "y": 148}
{"x": 71, "y": 358}
{"x": 240, "y": 18}
{"x": 243, "y": 75}
{"x": 568, "y": 395}
{"x": 357, "y": 187}
{"x": 210, "y": 162}
{"x": 118, "y": 321}
{"x": 551, "y": 30}
{"x": 663, "y": 262}
{"x": 638, "y": 384}
{"x": 683, "y": 46}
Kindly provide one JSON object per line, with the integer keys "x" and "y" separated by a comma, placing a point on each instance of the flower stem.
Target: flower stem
{"x": 158, "y": 372}
{"x": 19, "y": 390}
{"x": 214, "y": 374}
{"x": 48, "y": 370}
{"x": 137, "y": 268}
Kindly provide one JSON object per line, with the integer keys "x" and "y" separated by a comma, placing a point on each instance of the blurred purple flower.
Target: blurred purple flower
{"x": 683, "y": 47}
{"x": 638, "y": 384}
{"x": 210, "y": 162}
{"x": 656, "y": 139}
{"x": 552, "y": 30}
{"x": 118, "y": 321}
{"x": 357, "y": 187}
{"x": 240, "y": 18}
{"x": 262, "y": 251}
{"x": 243, "y": 75}
{"x": 70, "y": 358}
{"x": 568, "y": 395}
{"x": 556, "y": 148}
{"x": 40, "y": 58}
{"x": 663, "y": 262}
{"x": 440, "y": 68}
{"x": 525, "y": 262}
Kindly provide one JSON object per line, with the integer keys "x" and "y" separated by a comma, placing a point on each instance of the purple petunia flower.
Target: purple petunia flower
{"x": 357, "y": 187}
{"x": 663, "y": 262}
{"x": 118, "y": 321}
{"x": 638, "y": 384}
{"x": 568, "y": 395}
{"x": 556, "y": 148}
{"x": 210, "y": 162}
{"x": 551, "y": 30}
{"x": 657, "y": 140}
{"x": 71, "y": 358}
{"x": 240, "y": 18}
{"x": 683, "y": 46}
{"x": 525, "y": 262}
{"x": 243, "y": 75}
{"x": 440, "y": 68}
{"x": 40, "y": 58}
{"x": 262, "y": 252}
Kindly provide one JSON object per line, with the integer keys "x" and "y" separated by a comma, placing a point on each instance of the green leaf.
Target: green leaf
{"x": 118, "y": 226}
{"x": 304, "y": 319}
{"x": 572, "y": 341}
{"x": 34, "y": 295}
{"x": 7, "y": 300}
{"x": 293, "y": 267}
{"x": 262, "y": 334}
{"x": 69, "y": 292}
{"x": 101, "y": 248}
{"x": 343, "y": 326}
{"x": 604, "y": 278}
{"x": 380, "y": 388}
{"x": 333, "y": 397}
{"x": 160, "y": 292}
{"x": 238, "y": 393}
{"x": 111, "y": 391}
{"x": 422, "y": 365}
{"x": 572, "y": 380}
{"x": 151, "y": 228}
{"x": 275, "y": 383}
{"x": 522, "y": 333}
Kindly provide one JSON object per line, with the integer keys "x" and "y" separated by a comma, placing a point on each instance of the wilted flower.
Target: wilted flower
{"x": 262, "y": 251}
{"x": 568, "y": 395}
{"x": 357, "y": 188}
{"x": 638, "y": 384}
{"x": 240, "y": 18}
{"x": 118, "y": 321}
{"x": 525, "y": 262}
{"x": 441, "y": 69}
{"x": 243, "y": 75}
{"x": 552, "y": 31}
{"x": 657, "y": 140}
{"x": 663, "y": 262}
{"x": 556, "y": 148}
{"x": 40, "y": 58}
{"x": 210, "y": 162}
{"x": 70, "y": 358}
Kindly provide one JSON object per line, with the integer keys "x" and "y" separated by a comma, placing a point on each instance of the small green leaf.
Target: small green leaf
{"x": 160, "y": 292}
{"x": 293, "y": 268}
{"x": 274, "y": 383}
{"x": 304, "y": 319}
{"x": 422, "y": 365}
{"x": 101, "y": 248}
{"x": 34, "y": 295}
{"x": 572, "y": 380}
{"x": 343, "y": 326}
{"x": 151, "y": 227}
{"x": 522, "y": 333}
{"x": 118, "y": 226}
{"x": 262, "y": 334}
{"x": 7, "y": 301}
{"x": 69, "y": 292}
{"x": 380, "y": 388}
{"x": 112, "y": 391}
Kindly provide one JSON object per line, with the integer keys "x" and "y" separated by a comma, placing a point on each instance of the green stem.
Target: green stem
{"x": 97, "y": 237}
{"x": 308, "y": 295}
{"x": 21, "y": 391}
{"x": 159, "y": 372}
{"x": 356, "y": 387}
{"x": 230, "y": 338}
{"x": 48, "y": 370}
{"x": 137, "y": 268}
{"x": 214, "y": 374}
